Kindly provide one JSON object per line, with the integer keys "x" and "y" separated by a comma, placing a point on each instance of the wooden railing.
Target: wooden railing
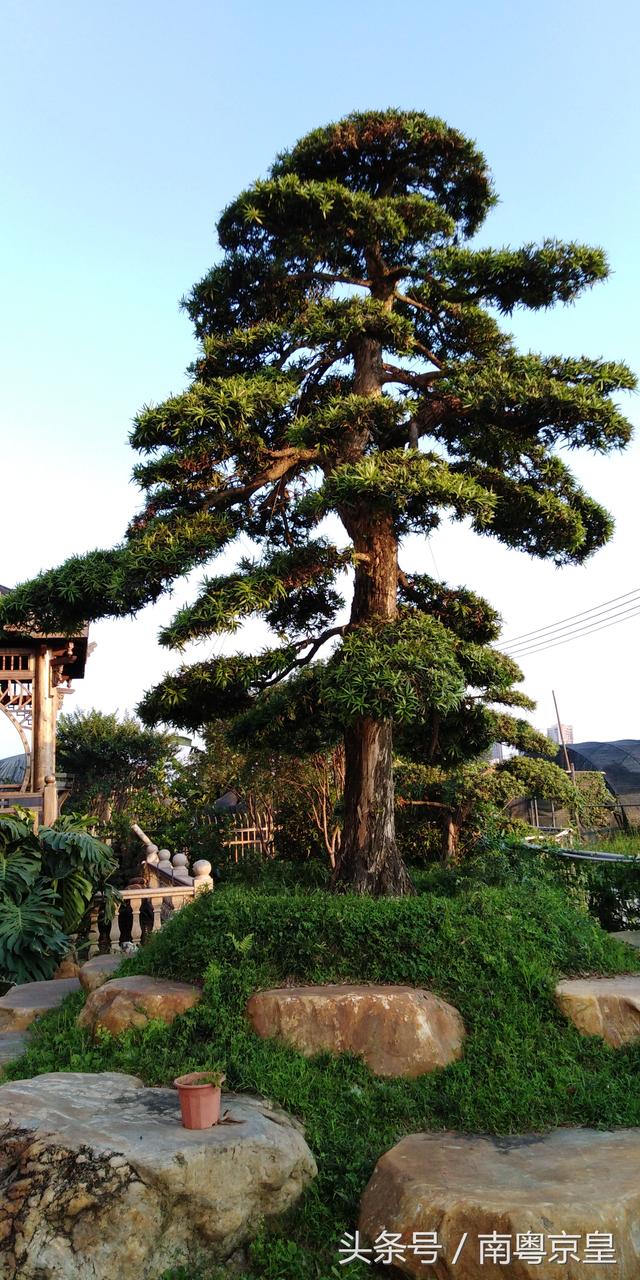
{"x": 44, "y": 803}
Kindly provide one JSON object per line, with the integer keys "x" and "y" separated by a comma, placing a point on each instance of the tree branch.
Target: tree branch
{"x": 287, "y": 460}
{"x": 328, "y": 278}
{"x": 413, "y": 302}
{"x": 394, "y": 374}
{"x": 303, "y": 662}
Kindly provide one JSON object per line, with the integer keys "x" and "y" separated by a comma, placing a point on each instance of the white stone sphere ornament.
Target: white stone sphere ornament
{"x": 202, "y": 875}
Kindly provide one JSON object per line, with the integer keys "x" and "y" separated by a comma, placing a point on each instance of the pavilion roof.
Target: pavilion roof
{"x": 12, "y": 636}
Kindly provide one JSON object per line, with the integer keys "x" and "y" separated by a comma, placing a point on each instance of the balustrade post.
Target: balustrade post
{"x": 136, "y": 927}
{"x": 156, "y": 903}
{"x": 114, "y": 936}
{"x": 94, "y": 933}
{"x": 180, "y": 866}
{"x": 202, "y": 875}
{"x": 49, "y": 801}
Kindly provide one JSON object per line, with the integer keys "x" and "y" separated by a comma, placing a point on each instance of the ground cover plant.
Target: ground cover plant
{"x": 495, "y": 951}
{"x": 355, "y": 385}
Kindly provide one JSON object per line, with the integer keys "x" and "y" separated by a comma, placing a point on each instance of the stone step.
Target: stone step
{"x": 12, "y": 1046}
{"x": 99, "y": 969}
{"x": 606, "y": 1007}
{"x": 26, "y": 1002}
{"x": 565, "y": 1204}
{"x": 122, "y": 1003}
{"x": 396, "y": 1030}
{"x": 99, "y": 1179}
{"x": 630, "y": 936}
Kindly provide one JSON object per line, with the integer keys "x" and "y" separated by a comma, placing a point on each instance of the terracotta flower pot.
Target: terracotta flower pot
{"x": 199, "y": 1099}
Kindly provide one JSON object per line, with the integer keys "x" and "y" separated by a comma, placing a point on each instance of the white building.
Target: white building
{"x": 567, "y": 734}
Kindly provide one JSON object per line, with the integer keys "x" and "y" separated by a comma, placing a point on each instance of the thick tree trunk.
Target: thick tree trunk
{"x": 368, "y": 861}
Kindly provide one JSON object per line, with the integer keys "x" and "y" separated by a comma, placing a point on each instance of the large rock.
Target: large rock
{"x": 397, "y": 1031}
{"x": 99, "y": 1179}
{"x": 99, "y": 969}
{"x": 23, "y": 1004}
{"x": 574, "y": 1181}
{"x": 606, "y": 1007}
{"x": 132, "y": 1002}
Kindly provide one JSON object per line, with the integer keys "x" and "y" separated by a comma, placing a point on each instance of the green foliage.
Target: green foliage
{"x": 353, "y": 364}
{"x": 121, "y": 772}
{"x": 111, "y": 758}
{"x": 593, "y": 802}
{"x": 47, "y": 882}
{"x": 495, "y": 952}
{"x": 384, "y": 201}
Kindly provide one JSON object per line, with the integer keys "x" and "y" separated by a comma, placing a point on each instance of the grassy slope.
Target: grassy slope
{"x": 495, "y": 953}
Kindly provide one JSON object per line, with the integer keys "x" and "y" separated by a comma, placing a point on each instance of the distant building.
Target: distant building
{"x": 567, "y": 733}
{"x": 496, "y": 754}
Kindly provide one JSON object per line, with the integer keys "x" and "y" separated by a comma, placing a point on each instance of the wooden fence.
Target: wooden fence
{"x": 244, "y": 836}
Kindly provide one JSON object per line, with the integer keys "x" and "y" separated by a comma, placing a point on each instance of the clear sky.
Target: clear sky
{"x": 128, "y": 126}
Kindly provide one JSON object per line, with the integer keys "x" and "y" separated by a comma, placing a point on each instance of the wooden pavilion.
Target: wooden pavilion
{"x": 36, "y": 671}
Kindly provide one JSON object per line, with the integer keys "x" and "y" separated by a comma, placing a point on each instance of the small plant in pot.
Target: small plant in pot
{"x": 199, "y": 1093}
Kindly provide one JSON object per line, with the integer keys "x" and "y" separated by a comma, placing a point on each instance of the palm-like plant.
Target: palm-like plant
{"x": 48, "y": 881}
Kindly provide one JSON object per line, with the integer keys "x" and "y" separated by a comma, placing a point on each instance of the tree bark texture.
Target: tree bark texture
{"x": 368, "y": 861}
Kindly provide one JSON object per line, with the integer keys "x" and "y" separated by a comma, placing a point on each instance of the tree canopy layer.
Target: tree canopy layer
{"x": 354, "y": 363}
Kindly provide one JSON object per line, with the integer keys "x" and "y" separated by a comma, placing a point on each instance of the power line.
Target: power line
{"x": 551, "y": 626}
{"x": 577, "y": 635}
{"x": 611, "y": 615}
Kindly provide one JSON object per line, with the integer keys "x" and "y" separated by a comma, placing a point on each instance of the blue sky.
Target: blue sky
{"x": 129, "y": 126}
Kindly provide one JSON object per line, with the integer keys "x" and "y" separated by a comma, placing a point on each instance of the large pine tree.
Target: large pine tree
{"x": 353, "y": 365}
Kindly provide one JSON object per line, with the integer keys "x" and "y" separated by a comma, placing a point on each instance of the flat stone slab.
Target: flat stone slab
{"x": 99, "y": 1179}
{"x": 132, "y": 1002}
{"x": 96, "y": 971}
{"x": 12, "y": 1046}
{"x": 24, "y": 1003}
{"x": 572, "y": 1182}
{"x": 630, "y": 936}
{"x": 396, "y": 1030}
{"x": 606, "y": 1007}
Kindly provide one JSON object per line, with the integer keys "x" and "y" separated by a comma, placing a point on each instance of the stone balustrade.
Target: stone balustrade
{"x": 160, "y": 903}
{"x": 159, "y": 866}
{"x": 164, "y": 886}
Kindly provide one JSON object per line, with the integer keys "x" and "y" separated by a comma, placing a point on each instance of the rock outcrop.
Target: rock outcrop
{"x": 99, "y": 1179}
{"x": 606, "y": 1007}
{"x": 565, "y": 1204}
{"x": 397, "y": 1031}
{"x": 132, "y": 1002}
{"x": 23, "y": 1004}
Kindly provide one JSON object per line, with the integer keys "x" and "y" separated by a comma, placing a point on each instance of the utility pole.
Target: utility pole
{"x": 570, "y": 768}
{"x": 561, "y": 733}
